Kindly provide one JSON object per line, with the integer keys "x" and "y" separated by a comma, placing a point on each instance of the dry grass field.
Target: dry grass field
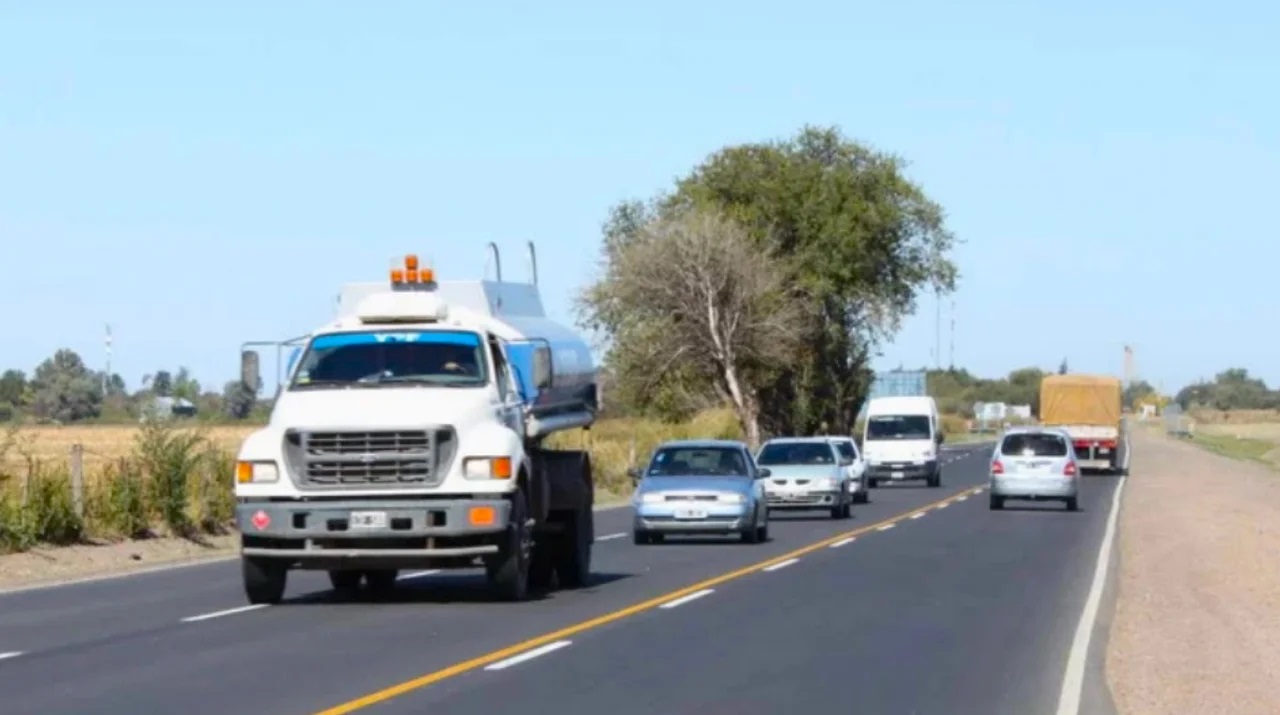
{"x": 103, "y": 444}
{"x": 1244, "y": 434}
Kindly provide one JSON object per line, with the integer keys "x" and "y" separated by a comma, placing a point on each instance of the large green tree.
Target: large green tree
{"x": 855, "y": 240}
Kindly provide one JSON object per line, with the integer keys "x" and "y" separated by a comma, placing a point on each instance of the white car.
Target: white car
{"x": 855, "y": 467}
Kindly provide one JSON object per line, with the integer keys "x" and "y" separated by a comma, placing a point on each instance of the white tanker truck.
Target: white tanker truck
{"x": 407, "y": 433}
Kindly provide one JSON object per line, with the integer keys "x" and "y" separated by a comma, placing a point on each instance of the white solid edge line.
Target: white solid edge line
{"x": 685, "y": 599}
{"x": 609, "y": 537}
{"x": 843, "y": 542}
{"x": 886, "y": 527}
{"x": 228, "y": 612}
{"x": 780, "y": 565}
{"x": 528, "y": 655}
{"x": 11, "y": 654}
{"x": 1073, "y": 677}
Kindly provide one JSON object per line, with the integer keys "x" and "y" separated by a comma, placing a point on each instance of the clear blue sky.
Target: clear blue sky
{"x": 199, "y": 174}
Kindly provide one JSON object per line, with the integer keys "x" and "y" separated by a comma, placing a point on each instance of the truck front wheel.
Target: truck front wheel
{"x": 264, "y": 580}
{"x": 508, "y": 570}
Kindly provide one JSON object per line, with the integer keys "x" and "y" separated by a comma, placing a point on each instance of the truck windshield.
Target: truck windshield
{"x": 779, "y": 453}
{"x": 386, "y": 358}
{"x": 898, "y": 427}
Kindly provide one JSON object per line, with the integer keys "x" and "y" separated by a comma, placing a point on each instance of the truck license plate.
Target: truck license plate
{"x": 368, "y": 520}
{"x": 691, "y": 514}
{"x": 897, "y": 475}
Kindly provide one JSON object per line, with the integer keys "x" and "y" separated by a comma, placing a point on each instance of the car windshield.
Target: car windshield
{"x": 846, "y": 450}
{"x": 796, "y": 453}
{"x": 898, "y": 427}
{"x": 1033, "y": 445}
{"x": 687, "y": 461}
{"x": 392, "y": 358}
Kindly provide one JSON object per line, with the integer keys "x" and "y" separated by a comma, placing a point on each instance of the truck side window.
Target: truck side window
{"x": 500, "y": 372}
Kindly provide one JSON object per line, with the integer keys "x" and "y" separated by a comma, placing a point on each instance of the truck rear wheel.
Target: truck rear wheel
{"x": 573, "y": 552}
{"x": 264, "y": 580}
{"x": 508, "y": 570}
{"x": 345, "y": 582}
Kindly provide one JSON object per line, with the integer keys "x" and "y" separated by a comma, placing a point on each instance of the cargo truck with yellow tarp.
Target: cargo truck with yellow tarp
{"x": 1088, "y": 408}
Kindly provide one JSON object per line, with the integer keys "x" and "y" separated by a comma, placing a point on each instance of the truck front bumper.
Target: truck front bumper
{"x": 390, "y": 532}
{"x": 898, "y": 471}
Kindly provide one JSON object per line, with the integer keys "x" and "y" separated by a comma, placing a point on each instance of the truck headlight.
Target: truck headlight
{"x": 731, "y": 498}
{"x": 486, "y": 467}
{"x": 254, "y": 472}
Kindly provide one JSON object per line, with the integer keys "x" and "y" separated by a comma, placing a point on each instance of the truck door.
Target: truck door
{"x": 510, "y": 408}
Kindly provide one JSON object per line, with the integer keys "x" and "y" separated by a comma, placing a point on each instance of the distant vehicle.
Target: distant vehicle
{"x": 855, "y": 466}
{"x": 1088, "y": 408}
{"x": 900, "y": 440}
{"x": 700, "y": 487}
{"x": 1035, "y": 464}
{"x": 806, "y": 473}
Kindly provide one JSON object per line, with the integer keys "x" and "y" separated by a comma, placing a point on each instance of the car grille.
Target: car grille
{"x": 364, "y": 458}
{"x": 690, "y": 497}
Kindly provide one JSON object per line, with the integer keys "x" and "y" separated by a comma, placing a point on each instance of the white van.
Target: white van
{"x": 900, "y": 440}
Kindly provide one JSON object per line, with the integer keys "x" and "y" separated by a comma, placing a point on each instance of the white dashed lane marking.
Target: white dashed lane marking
{"x": 685, "y": 599}
{"x": 779, "y": 565}
{"x": 11, "y": 654}
{"x": 528, "y": 655}
{"x": 842, "y": 542}
{"x": 220, "y": 614}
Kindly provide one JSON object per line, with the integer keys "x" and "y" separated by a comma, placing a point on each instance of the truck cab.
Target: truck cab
{"x": 900, "y": 440}
{"x": 407, "y": 434}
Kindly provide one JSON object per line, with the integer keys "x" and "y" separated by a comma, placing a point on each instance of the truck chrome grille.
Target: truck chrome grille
{"x": 365, "y": 458}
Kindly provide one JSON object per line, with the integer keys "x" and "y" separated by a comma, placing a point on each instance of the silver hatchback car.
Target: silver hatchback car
{"x": 1035, "y": 464}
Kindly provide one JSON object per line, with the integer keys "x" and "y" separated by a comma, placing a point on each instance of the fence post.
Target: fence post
{"x": 77, "y": 478}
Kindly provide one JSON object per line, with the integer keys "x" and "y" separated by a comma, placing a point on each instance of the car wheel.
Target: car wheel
{"x": 1073, "y": 504}
{"x": 641, "y": 538}
{"x": 997, "y": 502}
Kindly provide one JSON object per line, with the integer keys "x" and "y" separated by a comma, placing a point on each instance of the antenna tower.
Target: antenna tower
{"x": 106, "y": 376}
{"x": 1130, "y": 372}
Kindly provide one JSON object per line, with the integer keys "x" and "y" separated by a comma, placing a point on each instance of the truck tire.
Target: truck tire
{"x": 508, "y": 570}
{"x": 573, "y": 552}
{"x": 542, "y": 562}
{"x": 345, "y": 582}
{"x": 264, "y": 580}
{"x": 381, "y": 581}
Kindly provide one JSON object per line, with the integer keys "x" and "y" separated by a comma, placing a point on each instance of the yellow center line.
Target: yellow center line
{"x": 423, "y": 681}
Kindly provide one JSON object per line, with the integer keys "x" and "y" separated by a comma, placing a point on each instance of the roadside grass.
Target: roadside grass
{"x": 174, "y": 479}
{"x": 1246, "y": 448}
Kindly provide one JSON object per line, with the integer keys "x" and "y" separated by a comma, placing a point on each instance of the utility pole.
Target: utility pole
{"x": 937, "y": 327}
{"x": 106, "y": 376}
{"x": 952, "y": 355}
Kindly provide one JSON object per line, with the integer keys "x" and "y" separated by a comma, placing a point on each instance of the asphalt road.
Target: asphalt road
{"x": 957, "y": 610}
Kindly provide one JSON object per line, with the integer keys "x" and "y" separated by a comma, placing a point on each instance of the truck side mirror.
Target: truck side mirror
{"x": 542, "y": 368}
{"x": 250, "y": 374}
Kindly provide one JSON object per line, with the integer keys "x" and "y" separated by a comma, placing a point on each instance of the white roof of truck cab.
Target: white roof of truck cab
{"x": 902, "y": 405}
{"x": 511, "y": 310}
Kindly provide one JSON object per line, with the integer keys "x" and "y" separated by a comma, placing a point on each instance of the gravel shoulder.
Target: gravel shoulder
{"x": 1197, "y": 616}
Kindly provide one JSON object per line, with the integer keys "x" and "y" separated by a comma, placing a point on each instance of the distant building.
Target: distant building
{"x": 169, "y": 407}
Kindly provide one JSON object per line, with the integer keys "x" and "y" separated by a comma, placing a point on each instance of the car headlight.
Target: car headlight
{"x": 486, "y": 467}
{"x": 652, "y": 498}
{"x": 731, "y": 498}
{"x": 825, "y": 483}
{"x": 253, "y": 472}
